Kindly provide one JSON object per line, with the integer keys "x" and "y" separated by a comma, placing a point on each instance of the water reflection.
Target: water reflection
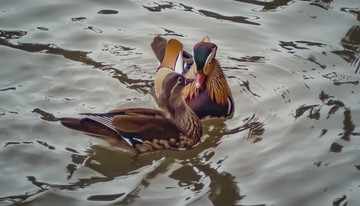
{"x": 16, "y": 34}
{"x": 333, "y": 105}
{"x": 180, "y": 6}
{"x": 191, "y": 169}
{"x": 268, "y": 5}
{"x": 325, "y": 4}
{"x": 351, "y": 45}
{"x": 253, "y": 125}
{"x": 141, "y": 85}
{"x": 222, "y": 188}
{"x": 236, "y": 19}
{"x": 339, "y": 79}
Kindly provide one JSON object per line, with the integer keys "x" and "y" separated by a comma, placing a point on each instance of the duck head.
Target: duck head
{"x": 204, "y": 54}
{"x": 170, "y": 99}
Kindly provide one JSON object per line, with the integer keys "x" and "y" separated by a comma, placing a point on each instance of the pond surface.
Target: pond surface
{"x": 293, "y": 68}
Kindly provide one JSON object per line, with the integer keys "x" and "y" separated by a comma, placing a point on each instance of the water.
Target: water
{"x": 293, "y": 68}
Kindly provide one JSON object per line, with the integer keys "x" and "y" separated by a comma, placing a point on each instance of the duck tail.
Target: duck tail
{"x": 89, "y": 126}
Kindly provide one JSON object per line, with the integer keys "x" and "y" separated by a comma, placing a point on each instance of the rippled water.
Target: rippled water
{"x": 293, "y": 68}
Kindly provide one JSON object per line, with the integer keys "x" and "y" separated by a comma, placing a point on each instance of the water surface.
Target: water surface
{"x": 293, "y": 68}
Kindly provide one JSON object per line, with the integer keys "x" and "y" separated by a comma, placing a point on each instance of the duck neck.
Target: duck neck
{"x": 215, "y": 85}
{"x": 183, "y": 117}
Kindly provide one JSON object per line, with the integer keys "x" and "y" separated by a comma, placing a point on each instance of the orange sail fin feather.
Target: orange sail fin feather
{"x": 173, "y": 51}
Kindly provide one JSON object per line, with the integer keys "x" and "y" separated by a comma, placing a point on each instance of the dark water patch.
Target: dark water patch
{"x": 340, "y": 201}
{"x": 254, "y": 59}
{"x": 71, "y": 150}
{"x": 78, "y": 19}
{"x": 45, "y": 144}
{"x": 223, "y": 188}
{"x": 323, "y": 96}
{"x": 20, "y": 199}
{"x": 351, "y": 45}
{"x": 108, "y": 11}
{"x": 303, "y": 108}
{"x": 236, "y": 19}
{"x": 119, "y": 50}
{"x": 43, "y": 187}
{"x": 314, "y": 112}
{"x": 336, "y": 147}
{"x": 80, "y": 184}
{"x": 17, "y": 143}
{"x": 4, "y": 111}
{"x": 169, "y": 32}
{"x": 45, "y": 115}
{"x": 246, "y": 85}
{"x": 52, "y": 49}
{"x": 313, "y": 59}
{"x": 290, "y": 46}
{"x": 333, "y": 105}
{"x": 42, "y": 28}
{"x": 253, "y": 125}
{"x": 268, "y": 5}
{"x": 318, "y": 163}
{"x": 71, "y": 169}
{"x": 309, "y": 43}
{"x": 7, "y": 89}
{"x": 211, "y": 14}
{"x": 188, "y": 178}
{"x": 353, "y": 11}
{"x": 340, "y": 79}
{"x": 169, "y": 5}
{"x": 105, "y": 197}
{"x": 325, "y": 4}
{"x": 159, "y": 7}
{"x": 94, "y": 29}
{"x": 348, "y": 126}
{"x": 323, "y": 132}
{"x": 357, "y": 167}
{"x": 15, "y": 34}
{"x": 140, "y": 85}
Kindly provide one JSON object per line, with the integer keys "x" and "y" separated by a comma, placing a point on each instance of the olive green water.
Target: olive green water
{"x": 293, "y": 68}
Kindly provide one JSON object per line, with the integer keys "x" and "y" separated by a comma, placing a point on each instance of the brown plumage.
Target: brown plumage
{"x": 210, "y": 94}
{"x": 216, "y": 86}
{"x": 175, "y": 125}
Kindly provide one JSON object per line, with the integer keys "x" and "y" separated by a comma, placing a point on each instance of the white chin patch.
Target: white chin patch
{"x": 197, "y": 85}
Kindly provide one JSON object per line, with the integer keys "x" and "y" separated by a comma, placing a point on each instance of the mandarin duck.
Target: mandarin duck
{"x": 175, "y": 125}
{"x": 209, "y": 94}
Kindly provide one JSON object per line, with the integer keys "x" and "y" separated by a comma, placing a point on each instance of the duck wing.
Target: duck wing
{"x": 131, "y": 126}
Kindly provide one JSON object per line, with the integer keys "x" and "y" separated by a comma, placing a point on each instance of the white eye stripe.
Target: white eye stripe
{"x": 210, "y": 57}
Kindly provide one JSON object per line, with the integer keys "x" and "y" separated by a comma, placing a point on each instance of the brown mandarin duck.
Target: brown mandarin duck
{"x": 175, "y": 125}
{"x": 210, "y": 94}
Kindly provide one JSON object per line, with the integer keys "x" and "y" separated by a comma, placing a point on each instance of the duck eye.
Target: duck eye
{"x": 180, "y": 79}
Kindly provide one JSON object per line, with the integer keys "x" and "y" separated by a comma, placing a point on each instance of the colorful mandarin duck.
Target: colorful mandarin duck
{"x": 210, "y": 94}
{"x": 175, "y": 125}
